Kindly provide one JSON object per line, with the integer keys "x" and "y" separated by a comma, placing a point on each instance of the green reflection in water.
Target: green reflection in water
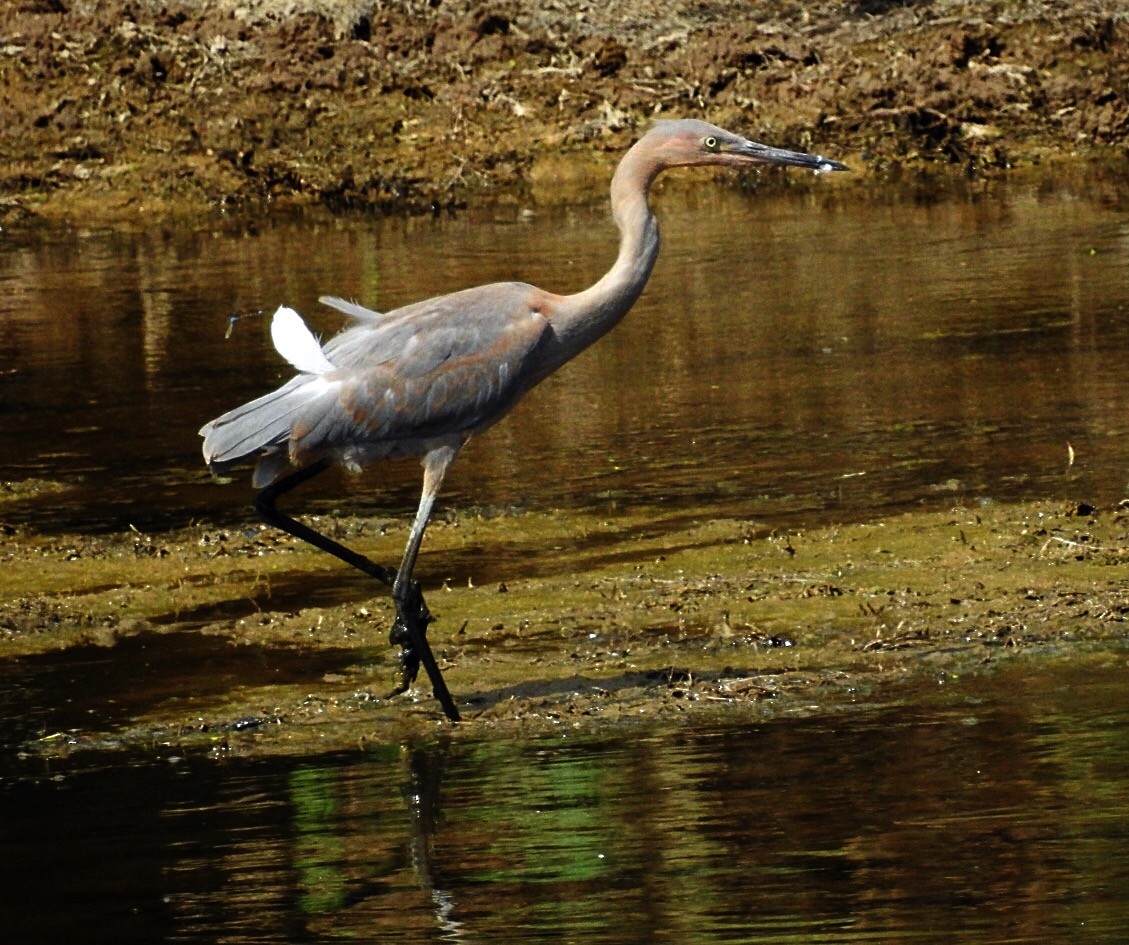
{"x": 986, "y": 812}
{"x": 551, "y": 823}
{"x": 318, "y": 845}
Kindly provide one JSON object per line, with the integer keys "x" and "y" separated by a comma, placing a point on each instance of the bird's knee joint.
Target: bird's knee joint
{"x": 263, "y": 503}
{"x": 406, "y": 592}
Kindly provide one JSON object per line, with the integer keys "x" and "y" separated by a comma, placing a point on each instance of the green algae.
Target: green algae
{"x": 549, "y": 619}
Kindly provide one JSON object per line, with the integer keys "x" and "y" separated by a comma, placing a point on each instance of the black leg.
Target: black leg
{"x": 410, "y": 632}
{"x": 412, "y": 613}
{"x": 412, "y": 616}
{"x": 264, "y": 503}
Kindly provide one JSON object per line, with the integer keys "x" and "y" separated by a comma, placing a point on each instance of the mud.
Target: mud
{"x": 154, "y": 108}
{"x": 551, "y": 621}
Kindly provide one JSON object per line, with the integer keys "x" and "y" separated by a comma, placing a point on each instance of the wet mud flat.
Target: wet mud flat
{"x": 240, "y": 640}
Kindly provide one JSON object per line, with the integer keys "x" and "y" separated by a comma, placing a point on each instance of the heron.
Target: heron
{"x": 421, "y": 380}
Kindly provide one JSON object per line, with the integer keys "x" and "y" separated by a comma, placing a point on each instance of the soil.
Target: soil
{"x": 152, "y": 108}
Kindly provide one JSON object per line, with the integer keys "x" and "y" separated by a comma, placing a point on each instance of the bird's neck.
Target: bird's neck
{"x": 579, "y": 320}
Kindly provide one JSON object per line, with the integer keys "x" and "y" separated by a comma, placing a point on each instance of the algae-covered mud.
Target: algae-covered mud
{"x": 544, "y": 621}
{"x": 138, "y": 108}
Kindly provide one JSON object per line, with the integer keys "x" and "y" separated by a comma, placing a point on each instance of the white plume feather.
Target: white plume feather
{"x": 295, "y": 342}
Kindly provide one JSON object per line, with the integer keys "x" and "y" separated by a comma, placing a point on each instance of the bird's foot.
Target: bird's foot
{"x": 409, "y": 632}
{"x": 409, "y": 656}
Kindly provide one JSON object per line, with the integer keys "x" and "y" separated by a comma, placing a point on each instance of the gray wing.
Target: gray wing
{"x": 446, "y": 366}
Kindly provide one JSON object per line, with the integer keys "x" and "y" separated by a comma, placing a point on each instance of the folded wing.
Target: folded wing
{"x": 431, "y": 372}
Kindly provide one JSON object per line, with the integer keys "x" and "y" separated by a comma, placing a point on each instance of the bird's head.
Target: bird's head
{"x": 691, "y": 142}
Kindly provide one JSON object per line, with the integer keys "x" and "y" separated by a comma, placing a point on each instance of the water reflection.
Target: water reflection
{"x": 792, "y": 355}
{"x": 992, "y": 812}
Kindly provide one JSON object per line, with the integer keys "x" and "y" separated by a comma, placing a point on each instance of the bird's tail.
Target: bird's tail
{"x": 263, "y": 427}
{"x": 260, "y": 428}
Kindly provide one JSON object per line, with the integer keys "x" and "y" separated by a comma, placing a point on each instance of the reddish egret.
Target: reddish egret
{"x": 421, "y": 380}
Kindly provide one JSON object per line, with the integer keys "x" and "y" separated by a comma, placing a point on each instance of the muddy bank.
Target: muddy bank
{"x": 544, "y": 621}
{"x": 146, "y": 108}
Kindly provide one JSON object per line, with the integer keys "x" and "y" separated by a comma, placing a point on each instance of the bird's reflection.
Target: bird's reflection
{"x": 421, "y": 791}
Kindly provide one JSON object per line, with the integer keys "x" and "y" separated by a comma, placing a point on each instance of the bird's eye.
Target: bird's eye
{"x": 711, "y": 143}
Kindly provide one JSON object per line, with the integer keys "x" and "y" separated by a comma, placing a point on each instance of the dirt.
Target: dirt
{"x": 644, "y": 616}
{"x": 155, "y": 108}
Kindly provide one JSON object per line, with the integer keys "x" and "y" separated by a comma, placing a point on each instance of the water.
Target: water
{"x": 797, "y": 358}
{"x": 792, "y": 357}
{"x": 993, "y": 810}
{"x": 97, "y": 688}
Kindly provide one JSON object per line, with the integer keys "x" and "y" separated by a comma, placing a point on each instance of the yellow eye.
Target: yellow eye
{"x": 711, "y": 143}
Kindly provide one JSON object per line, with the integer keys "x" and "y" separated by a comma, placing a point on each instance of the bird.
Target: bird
{"x": 421, "y": 380}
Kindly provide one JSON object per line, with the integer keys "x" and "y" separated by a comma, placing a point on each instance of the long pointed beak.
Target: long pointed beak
{"x": 763, "y": 154}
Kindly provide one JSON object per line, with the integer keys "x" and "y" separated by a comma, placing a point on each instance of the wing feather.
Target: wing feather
{"x": 354, "y": 310}
{"x": 448, "y": 366}
{"x": 392, "y": 383}
{"x": 295, "y": 342}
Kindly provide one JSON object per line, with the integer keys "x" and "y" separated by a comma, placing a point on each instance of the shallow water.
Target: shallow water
{"x": 97, "y": 688}
{"x": 795, "y": 356}
{"x": 976, "y": 811}
{"x": 794, "y": 359}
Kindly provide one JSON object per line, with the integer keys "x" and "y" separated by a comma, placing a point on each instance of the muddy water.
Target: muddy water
{"x": 107, "y": 686}
{"x": 794, "y": 359}
{"x": 979, "y": 811}
{"x": 793, "y": 356}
